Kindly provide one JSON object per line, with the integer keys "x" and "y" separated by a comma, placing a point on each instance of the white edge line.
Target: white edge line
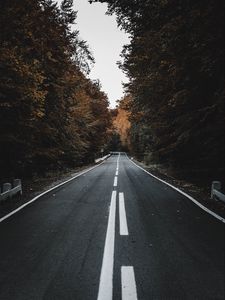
{"x": 122, "y": 215}
{"x": 45, "y": 192}
{"x": 183, "y": 193}
{"x": 128, "y": 284}
{"x": 105, "y": 291}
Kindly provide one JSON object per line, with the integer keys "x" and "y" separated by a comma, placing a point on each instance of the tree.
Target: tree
{"x": 51, "y": 114}
{"x": 176, "y": 68}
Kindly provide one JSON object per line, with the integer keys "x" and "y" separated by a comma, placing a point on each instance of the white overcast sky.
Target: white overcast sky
{"x": 105, "y": 41}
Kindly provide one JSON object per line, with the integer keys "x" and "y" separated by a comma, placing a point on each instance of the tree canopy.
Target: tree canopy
{"x": 51, "y": 114}
{"x": 175, "y": 63}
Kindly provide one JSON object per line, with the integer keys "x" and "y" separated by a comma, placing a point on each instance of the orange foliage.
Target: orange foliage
{"x": 122, "y": 125}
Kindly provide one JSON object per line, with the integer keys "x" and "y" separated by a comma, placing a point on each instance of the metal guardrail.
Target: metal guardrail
{"x": 102, "y": 158}
{"x": 216, "y": 191}
{"x": 8, "y": 190}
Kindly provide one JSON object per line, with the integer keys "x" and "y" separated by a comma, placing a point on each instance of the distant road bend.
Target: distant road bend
{"x": 112, "y": 233}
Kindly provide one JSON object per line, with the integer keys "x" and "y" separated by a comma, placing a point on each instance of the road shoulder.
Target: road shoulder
{"x": 201, "y": 194}
{"x": 37, "y": 185}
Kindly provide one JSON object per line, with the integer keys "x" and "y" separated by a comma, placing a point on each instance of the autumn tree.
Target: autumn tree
{"x": 51, "y": 114}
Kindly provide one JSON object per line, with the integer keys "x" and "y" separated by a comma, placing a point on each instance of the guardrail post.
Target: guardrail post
{"x": 216, "y": 185}
{"x": 9, "y": 190}
{"x": 6, "y": 187}
{"x": 17, "y": 183}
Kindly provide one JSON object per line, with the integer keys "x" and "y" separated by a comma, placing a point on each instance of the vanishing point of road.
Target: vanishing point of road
{"x": 116, "y": 233}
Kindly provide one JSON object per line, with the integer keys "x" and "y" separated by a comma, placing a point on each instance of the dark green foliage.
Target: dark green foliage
{"x": 175, "y": 62}
{"x": 114, "y": 143}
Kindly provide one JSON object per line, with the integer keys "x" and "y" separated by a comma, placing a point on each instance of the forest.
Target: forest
{"x": 52, "y": 116}
{"x": 175, "y": 65}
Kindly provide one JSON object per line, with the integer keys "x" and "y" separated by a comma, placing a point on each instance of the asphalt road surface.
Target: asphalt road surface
{"x": 112, "y": 233}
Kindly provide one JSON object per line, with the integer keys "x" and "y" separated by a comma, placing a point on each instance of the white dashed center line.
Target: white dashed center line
{"x": 129, "y": 290}
{"x": 122, "y": 214}
{"x": 128, "y": 284}
{"x": 117, "y": 163}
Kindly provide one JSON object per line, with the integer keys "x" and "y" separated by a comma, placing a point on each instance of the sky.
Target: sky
{"x": 105, "y": 41}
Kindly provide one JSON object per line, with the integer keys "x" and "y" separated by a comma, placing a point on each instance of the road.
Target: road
{"x": 112, "y": 233}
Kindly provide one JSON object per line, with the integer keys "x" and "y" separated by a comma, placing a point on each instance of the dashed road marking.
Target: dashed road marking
{"x": 128, "y": 284}
{"x": 122, "y": 215}
{"x": 117, "y": 163}
{"x": 129, "y": 291}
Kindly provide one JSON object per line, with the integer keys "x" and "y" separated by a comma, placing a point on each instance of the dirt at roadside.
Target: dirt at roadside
{"x": 200, "y": 193}
{"x": 36, "y": 185}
